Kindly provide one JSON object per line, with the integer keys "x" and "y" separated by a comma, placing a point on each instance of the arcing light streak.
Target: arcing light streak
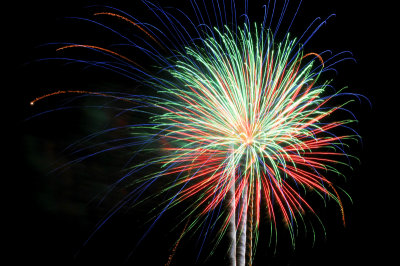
{"x": 107, "y": 95}
{"x": 133, "y": 23}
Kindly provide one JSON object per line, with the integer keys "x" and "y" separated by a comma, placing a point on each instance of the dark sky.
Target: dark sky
{"x": 52, "y": 215}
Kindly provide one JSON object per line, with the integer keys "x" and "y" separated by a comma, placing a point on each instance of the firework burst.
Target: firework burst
{"x": 241, "y": 122}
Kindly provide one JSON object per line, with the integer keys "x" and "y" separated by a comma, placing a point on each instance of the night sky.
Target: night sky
{"x": 53, "y": 214}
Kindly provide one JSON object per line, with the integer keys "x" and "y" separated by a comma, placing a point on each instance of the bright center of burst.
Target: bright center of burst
{"x": 246, "y": 139}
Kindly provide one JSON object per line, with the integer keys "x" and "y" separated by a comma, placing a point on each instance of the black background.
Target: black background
{"x": 51, "y": 215}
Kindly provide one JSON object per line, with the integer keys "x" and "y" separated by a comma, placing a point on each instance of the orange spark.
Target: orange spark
{"x": 133, "y": 23}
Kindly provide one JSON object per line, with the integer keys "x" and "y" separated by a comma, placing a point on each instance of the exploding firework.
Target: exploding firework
{"x": 240, "y": 127}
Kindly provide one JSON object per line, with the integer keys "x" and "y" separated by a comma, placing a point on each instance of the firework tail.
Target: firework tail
{"x": 231, "y": 231}
{"x": 241, "y": 235}
{"x": 242, "y": 228}
{"x": 249, "y": 240}
{"x": 238, "y": 225}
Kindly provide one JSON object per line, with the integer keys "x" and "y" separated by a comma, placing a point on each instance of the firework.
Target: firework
{"x": 241, "y": 122}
